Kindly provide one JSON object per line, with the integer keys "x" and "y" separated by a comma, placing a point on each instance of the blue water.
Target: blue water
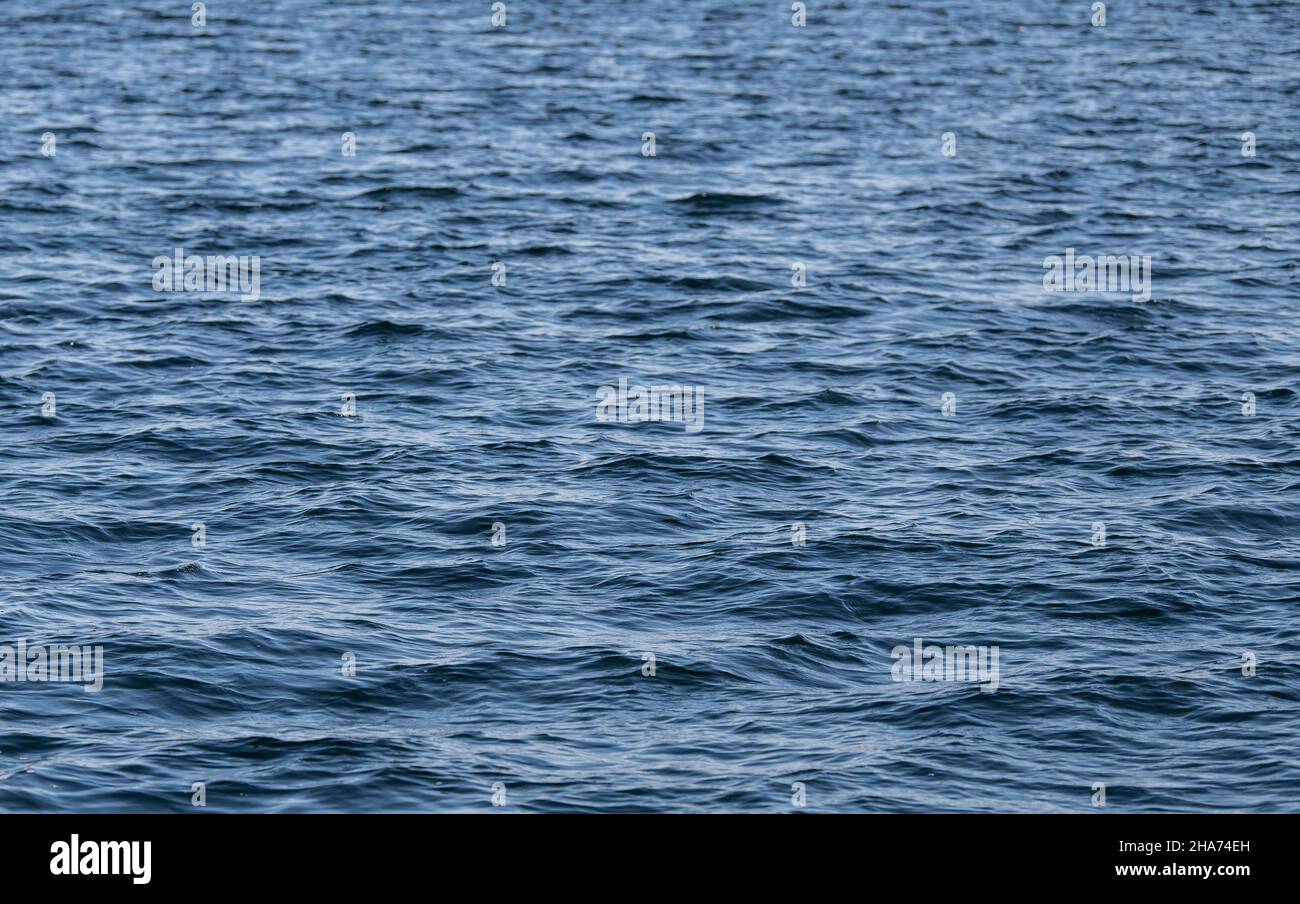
{"x": 371, "y": 533}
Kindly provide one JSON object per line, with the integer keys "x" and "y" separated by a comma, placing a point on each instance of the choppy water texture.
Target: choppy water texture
{"x": 522, "y": 664}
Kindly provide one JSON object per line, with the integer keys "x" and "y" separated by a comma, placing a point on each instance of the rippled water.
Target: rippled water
{"x": 475, "y": 405}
